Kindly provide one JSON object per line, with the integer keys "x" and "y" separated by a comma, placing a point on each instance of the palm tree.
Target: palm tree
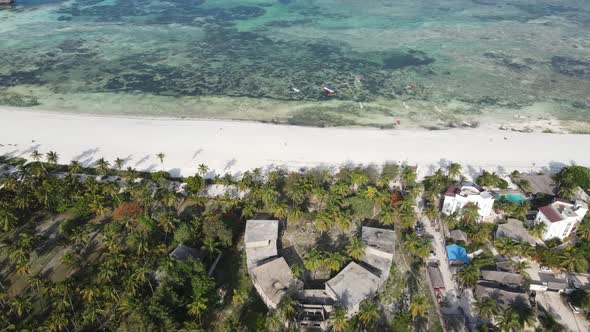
{"x": 20, "y": 306}
{"x": 479, "y": 233}
{"x": 573, "y": 261}
{"x": 35, "y": 155}
{"x": 197, "y": 307}
{"x": 368, "y": 313}
{"x": 418, "y": 306}
{"x": 313, "y": 259}
{"x": 119, "y": 163}
{"x": 431, "y": 212}
{"x": 506, "y": 246}
{"x": 520, "y": 210}
{"x": 539, "y": 229}
{"x": 470, "y": 213}
{"x": 521, "y": 267}
{"x": 75, "y": 167}
{"x": 509, "y": 321}
{"x": 203, "y": 169}
{"x": 408, "y": 176}
{"x": 343, "y": 222}
{"x": 486, "y": 308}
{"x": 416, "y": 246}
{"x": 161, "y": 157}
{"x": 7, "y": 219}
{"x": 469, "y": 275}
{"x": 583, "y": 231}
{"x": 52, "y": 157}
{"x": 103, "y": 166}
{"x": 333, "y": 261}
{"x": 280, "y": 210}
{"x": 454, "y": 170}
{"x": 210, "y": 247}
{"x": 355, "y": 248}
{"x": 338, "y": 319}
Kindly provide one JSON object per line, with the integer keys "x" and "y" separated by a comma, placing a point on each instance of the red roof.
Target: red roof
{"x": 452, "y": 191}
{"x": 551, "y": 213}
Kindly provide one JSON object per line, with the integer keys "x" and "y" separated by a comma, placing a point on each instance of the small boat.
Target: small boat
{"x": 329, "y": 90}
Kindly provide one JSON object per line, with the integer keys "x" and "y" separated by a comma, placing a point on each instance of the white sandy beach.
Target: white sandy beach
{"x": 233, "y": 147}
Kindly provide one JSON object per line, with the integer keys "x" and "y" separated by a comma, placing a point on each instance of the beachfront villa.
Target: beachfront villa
{"x": 459, "y": 195}
{"x": 561, "y": 217}
{"x": 357, "y": 282}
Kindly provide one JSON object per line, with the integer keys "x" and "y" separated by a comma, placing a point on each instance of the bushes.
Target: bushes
{"x": 575, "y": 175}
{"x": 487, "y": 179}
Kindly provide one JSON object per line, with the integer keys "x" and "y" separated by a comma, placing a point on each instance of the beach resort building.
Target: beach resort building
{"x": 459, "y": 195}
{"x": 260, "y": 240}
{"x": 561, "y": 217}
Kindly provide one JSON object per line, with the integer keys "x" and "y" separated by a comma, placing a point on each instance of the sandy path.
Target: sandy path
{"x": 233, "y": 147}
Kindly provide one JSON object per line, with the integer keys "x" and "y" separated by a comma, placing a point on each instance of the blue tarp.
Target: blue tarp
{"x": 457, "y": 253}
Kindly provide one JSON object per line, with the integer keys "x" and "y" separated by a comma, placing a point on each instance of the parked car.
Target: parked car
{"x": 545, "y": 268}
{"x": 575, "y": 284}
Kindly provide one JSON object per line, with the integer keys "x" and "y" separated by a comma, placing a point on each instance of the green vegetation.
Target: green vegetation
{"x": 571, "y": 177}
{"x": 491, "y": 180}
{"x": 92, "y": 251}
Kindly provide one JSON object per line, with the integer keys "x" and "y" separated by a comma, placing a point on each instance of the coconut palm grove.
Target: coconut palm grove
{"x": 109, "y": 248}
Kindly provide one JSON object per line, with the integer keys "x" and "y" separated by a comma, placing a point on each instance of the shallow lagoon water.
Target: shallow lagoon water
{"x": 422, "y": 60}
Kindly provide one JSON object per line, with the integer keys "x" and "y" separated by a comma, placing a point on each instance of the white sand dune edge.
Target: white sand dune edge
{"x": 233, "y": 147}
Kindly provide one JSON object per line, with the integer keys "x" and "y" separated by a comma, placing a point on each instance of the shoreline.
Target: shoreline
{"x": 234, "y": 146}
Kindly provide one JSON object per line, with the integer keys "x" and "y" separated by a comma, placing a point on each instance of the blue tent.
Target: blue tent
{"x": 457, "y": 253}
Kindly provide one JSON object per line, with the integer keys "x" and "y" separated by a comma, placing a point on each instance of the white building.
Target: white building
{"x": 561, "y": 217}
{"x": 459, "y": 195}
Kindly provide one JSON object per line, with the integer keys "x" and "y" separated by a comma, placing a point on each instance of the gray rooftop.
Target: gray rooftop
{"x": 504, "y": 298}
{"x": 459, "y": 235}
{"x": 505, "y": 278}
{"x": 275, "y": 280}
{"x": 515, "y": 230}
{"x": 379, "y": 239}
{"x": 183, "y": 253}
{"x": 543, "y": 184}
{"x": 435, "y": 277}
{"x": 353, "y": 285}
{"x": 261, "y": 230}
{"x": 380, "y": 263}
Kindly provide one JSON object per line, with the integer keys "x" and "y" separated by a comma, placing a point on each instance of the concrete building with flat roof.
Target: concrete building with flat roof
{"x": 260, "y": 240}
{"x": 352, "y": 286}
{"x": 273, "y": 280}
{"x": 380, "y": 246}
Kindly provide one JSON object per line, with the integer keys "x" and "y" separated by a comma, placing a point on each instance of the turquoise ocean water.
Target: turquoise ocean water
{"x": 421, "y": 60}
